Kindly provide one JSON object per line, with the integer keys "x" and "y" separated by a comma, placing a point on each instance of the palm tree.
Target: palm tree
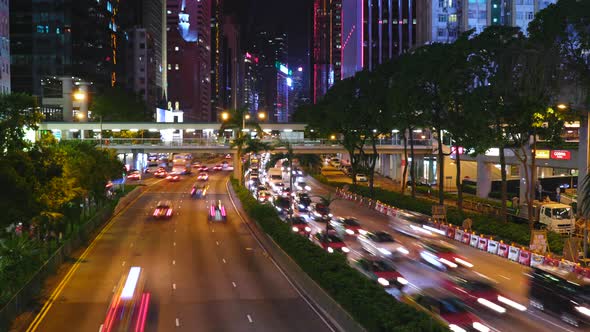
{"x": 327, "y": 200}
{"x": 238, "y": 120}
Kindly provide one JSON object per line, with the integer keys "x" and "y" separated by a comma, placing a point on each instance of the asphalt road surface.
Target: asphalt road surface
{"x": 509, "y": 277}
{"x": 202, "y": 276}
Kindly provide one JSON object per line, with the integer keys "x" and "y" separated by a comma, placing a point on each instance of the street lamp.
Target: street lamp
{"x": 224, "y": 116}
{"x": 261, "y": 115}
{"x": 79, "y": 95}
{"x": 562, "y": 106}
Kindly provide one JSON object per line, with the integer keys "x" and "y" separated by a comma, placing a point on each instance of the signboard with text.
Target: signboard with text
{"x": 538, "y": 241}
{"x": 561, "y": 155}
{"x": 542, "y": 154}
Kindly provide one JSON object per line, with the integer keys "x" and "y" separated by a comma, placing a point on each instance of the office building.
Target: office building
{"x": 189, "y": 57}
{"x": 79, "y": 39}
{"x": 326, "y": 45}
{"x": 4, "y": 48}
{"x": 251, "y": 87}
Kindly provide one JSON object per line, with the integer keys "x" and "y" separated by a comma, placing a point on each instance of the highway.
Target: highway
{"x": 201, "y": 276}
{"x": 509, "y": 277}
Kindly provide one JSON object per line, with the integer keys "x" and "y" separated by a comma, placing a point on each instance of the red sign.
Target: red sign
{"x": 454, "y": 150}
{"x": 561, "y": 154}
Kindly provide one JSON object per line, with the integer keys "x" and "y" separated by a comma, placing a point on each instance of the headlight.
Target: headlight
{"x": 301, "y": 206}
{"x": 583, "y": 310}
{"x": 456, "y": 328}
{"x": 403, "y": 250}
{"x": 279, "y": 209}
{"x": 307, "y": 188}
{"x": 316, "y": 214}
{"x": 384, "y": 251}
{"x": 362, "y": 232}
{"x": 463, "y": 262}
{"x": 330, "y": 250}
{"x": 345, "y": 249}
{"x": 349, "y": 232}
{"x": 330, "y": 215}
{"x": 402, "y": 281}
{"x": 511, "y": 303}
{"x": 295, "y": 229}
{"x": 447, "y": 262}
{"x": 491, "y": 305}
{"x": 383, "y": 282}
{"x": 480, "y": 327}
{"x": 307, "y": 229}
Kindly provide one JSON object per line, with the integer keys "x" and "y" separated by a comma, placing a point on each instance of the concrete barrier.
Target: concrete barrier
{"x": 311, "y": 292}
{"x": 127, "y": 199}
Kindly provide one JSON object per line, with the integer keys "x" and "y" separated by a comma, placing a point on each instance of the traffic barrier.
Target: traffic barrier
{"x": 466, "y": 238}
{"x": 493, "y": 247}
{"x": 444, "y": 228}
{"x": 482, "y": 244}
{"x": 474, "y": 240}
{"x": 551, "y": 261}
{"x": 458, "y": 234}
{"x": 537, "y": 260}
{"x": 503, "y": 250}
{"x": 525, "y": 257}
{"x": 566, "y": 265}
{"x": 581, "y": 271}
{"x": 513, "y": 253}
{"x": 451, "y": 232}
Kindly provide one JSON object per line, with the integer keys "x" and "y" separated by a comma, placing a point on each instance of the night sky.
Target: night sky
{"x": 292, "y": 16}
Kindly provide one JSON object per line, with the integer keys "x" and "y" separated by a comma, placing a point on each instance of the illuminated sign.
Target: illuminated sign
{"x": 282, "y": 68}
{"x": 289, "y": 81}
{"x": 542, "y": 154}
{"x": 561, "y": 154}
{"x": 493, "y": 152}
{"x": 461, "y": 150}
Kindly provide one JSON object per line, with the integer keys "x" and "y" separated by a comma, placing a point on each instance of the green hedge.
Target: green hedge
{"x": 368, "y": 304}
{"x": 507, "y": 231}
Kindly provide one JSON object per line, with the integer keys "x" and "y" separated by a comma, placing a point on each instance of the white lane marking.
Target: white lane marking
{"x": 100, "y": 328}
{"x": 177, "y": 322}
{"x": 114, "y": 288}
{"x": 173, "y": 286}
{"x": 212, "y": 230}
{"x": 550, "y": 322}
{"x": 123, "y": 263}
{"x": 223, "y": 259}
{"x": 234, "y": 284}
{"x": 250, "y": 318}
{"x": 173, "y": 262}
{"x": 249, "y": 248}
{"x": 504, "y": 277}
{"x": 131, "y": 245}
{"x": 275, "y": 263}
{"x": 217, "y": 242}
{"x": 174, "y": 231}
{"x": 174, "y": 244}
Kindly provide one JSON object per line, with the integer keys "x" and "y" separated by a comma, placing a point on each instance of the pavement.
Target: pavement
{"x": 509, "y": 277}
{"x": 202, "y": 276}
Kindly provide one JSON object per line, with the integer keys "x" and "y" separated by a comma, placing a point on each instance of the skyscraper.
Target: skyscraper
{"x": 189, "y": 57}
{"x": 53, "y": 39}
{"x": 326, "y": 45}
{"x": 251, "y": 87}
{"x": 4, "y": 48}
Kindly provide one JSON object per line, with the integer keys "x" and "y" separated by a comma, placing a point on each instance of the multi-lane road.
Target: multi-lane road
{"x": 202, "y": 276}
{"x": 509, "y": 277}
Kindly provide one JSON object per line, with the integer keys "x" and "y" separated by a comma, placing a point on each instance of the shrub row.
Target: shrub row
{"x": 366, "y": 302}
{"x": 509, "y": 232}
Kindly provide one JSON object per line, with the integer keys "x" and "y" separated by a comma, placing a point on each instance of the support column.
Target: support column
{"x": 66, "y": 94}
{"x": 237, "y": 166}
{"x": 385, "y": 161}
{"x": 83, "y": 88}
{"x": 484, "y": 177}
{"x": 523, "y": 183}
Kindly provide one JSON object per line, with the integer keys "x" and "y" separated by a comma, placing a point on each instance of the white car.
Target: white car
{"x": 382, "y": 244}
{"x": 361, "y": 178}
{"x": 302, "y": 185}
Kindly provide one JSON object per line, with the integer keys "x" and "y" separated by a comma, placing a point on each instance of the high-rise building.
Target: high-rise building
{"x": 189, "y": 57}
{"x": 448, "y": 19}
{"x": 251, "y": 87}
{"x": 232, "y": 65}
{"x": 50, "y": 38}
{"x": 297, "y": 93}
{"x": 216, "y": 56}
{"x": 281, "y": 100}
{"x": 326, "y": 45}
{"x": 4, "y": 48}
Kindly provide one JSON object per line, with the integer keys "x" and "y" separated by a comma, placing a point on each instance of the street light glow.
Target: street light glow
{"x": 79, "y": 95}
{"x": 224, "y": 116}
{"x": 261, "y": 115}
{"x": 562, "y": 106}
{"x": 247, "y": 116}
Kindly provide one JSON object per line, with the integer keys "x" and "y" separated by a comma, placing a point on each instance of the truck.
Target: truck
{"x": 553, "y": 216}
{"x": 275, "y": 175}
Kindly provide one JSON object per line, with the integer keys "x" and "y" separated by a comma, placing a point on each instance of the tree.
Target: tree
{"x": 117, "y": 104}
{"x": 327, "y": 200}
{"x": 311, "y": 162}
{"x": 18, "y": 112}
{"x": 236, "y": 120}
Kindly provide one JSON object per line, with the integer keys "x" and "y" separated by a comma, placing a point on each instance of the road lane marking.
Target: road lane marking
{"x": 223, "y": 259}
{"x": 173, "y": 262}
{"x": 131, "y": 245}
{"x": 123, "y": 263}
{"x": 173, "y": 286}
{"x": 100, "y": 328}
{"x": 57, "y": 291}
{"x": 550, "y": 322}
{"x": 250, "y": 318}
{"x": 504, "y": 277}
{"x": 212, "y": 230}
{"x": 217, "y": 242}
{"x": 114, "y": 288}
{"x": 175, "y": 244}
{"x": 249, "y": 248}
{"x": 174, "y": 231}
{"x": 233, "y": 283}
{"x": 231, "y": 199}
{"x": 177, "y": 322}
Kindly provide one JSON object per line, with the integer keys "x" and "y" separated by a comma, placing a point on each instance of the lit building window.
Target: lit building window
{"x": 169, "y": 67}
{"x": 176, "y": 67}
{"x": 176, "y": 48}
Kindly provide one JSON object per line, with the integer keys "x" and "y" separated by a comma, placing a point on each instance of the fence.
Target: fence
{"x": 22, "y": 299}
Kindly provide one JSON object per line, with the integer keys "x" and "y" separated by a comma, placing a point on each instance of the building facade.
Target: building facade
{"x": 57, "y": 38}
{"x": 326, "y": 45}
{"x": 4, "y": 47}
{"x": 189, "y": 57}
{"x": 251, "y": 87}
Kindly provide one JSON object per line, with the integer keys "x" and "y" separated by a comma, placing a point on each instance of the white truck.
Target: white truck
{"x": 556, "y": 217}
{"x": 275, "y": 175}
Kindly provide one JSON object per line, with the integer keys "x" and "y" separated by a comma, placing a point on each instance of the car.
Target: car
{"x": 217, "y": 212}
{"x": 134, "y": 175}
{"x": 285, "y": 192}
{"x": 382, "y": 244}
{"x": 277, "y": 187}
{"x": 360, "y": 177}
{"x": 442, "y": 255}
{"x": 382, "y": 272}
{"x": 228, "y": 156}
{"x": 297, "y": 172}
{"x": 415, "y": 225}
{"x": 447, "y": 308}
{"x": 203, "y": 168}
{"x": 299, "y": 225}
{"x": 302, "y": 200}
{"x": 163, "y": 210}
{"x": 203, "y": 176}
{"x": 330, "y": 242}
{"x": 478, "y": 292}
{"x": 282, "y": 204}
{"x": 160, "y": 173}
{"x": 199, "y": 190}
{"x": 129, "y": 305}
{"x": 196, "y": 164}
{"x": 263, "y": 196}
{"x": 319, "y": 212}
{"x": 217, "y": 167}
{"x": 302, "y": 185}
{"x": 335, "y": 162}
{"x": 349, "y": 226}
{"x": 173, "y": 177}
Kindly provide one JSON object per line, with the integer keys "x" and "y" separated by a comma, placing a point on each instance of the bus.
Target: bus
{"x": 181, "y": 164}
